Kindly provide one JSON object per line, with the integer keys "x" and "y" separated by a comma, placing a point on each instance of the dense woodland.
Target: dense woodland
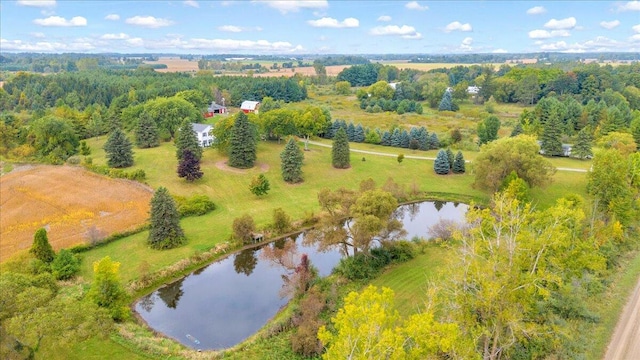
{"x": 522, "y": 280}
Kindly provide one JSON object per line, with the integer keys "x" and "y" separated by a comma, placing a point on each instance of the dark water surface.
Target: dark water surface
{"x": 225, "y": 302}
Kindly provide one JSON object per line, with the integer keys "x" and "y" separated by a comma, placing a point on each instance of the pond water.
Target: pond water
{"x": 220, "y": 305}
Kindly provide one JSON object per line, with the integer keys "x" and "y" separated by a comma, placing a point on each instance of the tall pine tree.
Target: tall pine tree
{"x": 446, "y": 104}
{"x": 118, "y": 149}
{"x": 41, "y": 248}
{"x": 291, "y": 162}
{"x": 451, "y": 157}
{"x": 187, "y": 139}
{"x": 582, "y": 147}
{"x": 242, "y": 149}
{"x": 551, "y": 143}
{"x": 189, "y": 166}
{"x": 458, "y": 164}
{"x": 147, "y": 135}
{"x": 165, "y": 231}
{"x": 340, "y": 150}
{"x": 441, "y": 165}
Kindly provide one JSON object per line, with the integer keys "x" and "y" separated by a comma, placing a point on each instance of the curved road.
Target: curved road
{"x": 625, "y": 342}
{"x": 417, "y": 157}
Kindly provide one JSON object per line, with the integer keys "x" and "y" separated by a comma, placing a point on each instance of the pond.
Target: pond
{"x": 220, "y": 305}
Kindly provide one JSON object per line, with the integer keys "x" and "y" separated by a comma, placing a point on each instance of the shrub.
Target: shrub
{"x": 41, "y": 248}
{"x": 305, "y": 340}
{"x": 65, "y": 266}
{"x": 243, "y": 228}
{"x": 281, "y": 221}
{"x": 195, "y": 205}
{"x": 400, "y": 251}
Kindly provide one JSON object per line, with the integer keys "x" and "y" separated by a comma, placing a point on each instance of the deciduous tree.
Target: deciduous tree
{"x": 488, "y": 129}
{"x": 106, "y": 290}
{"x": 189, "y": 166}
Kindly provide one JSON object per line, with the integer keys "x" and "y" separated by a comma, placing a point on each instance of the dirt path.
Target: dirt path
{"x": 625, "y": 342}
{"x": 418, "y": 157}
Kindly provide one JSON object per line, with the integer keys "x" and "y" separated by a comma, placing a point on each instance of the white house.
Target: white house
{"x": 473, "y": 90}
{"x": 204, "y": 133}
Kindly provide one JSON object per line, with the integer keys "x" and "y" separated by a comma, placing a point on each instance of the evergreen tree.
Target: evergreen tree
{"x": 635, "y": 131}
{"x": 65, "y": 266}
{"x": 582, "y": 148}
{"x": 434, "y": 143}
{"x": 189, "y": 166}
{"x": 41, "y": 248}
{"x": 517, "y": 130}
{"x": 423, "y": 138}
{"x": 441, "y": 165}
{"x": 259, "y": 185}
{"x": 451, "y": 157}
{"x": 358, "y": 135}
{"x": 396, "y": 140}
{"x": 385, "y": 139}
{"x": 405, "y": 140}
{"x": 147, "y": 135}
{"x": 351, "y": 132}
{"x": 291, "y": 162}
{"x": 551, "y": 143}
{"x": 85, "y": 150}
{"x": 446, "y": 104}
{"x": 118, "y": 149}
{"x": 187, "y": 139}
{"x": 458, "y": 164}
{"x": 165, "y": 231}
{"x": 242, "y": 152}
{"x": 340, "y": 150}
{"x": 488, "y": 130}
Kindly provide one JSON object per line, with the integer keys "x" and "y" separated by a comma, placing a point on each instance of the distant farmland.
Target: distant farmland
{"x": 73, "y": 204}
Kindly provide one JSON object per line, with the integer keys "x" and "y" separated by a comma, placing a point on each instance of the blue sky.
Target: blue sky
{"x": 317, "y": 27}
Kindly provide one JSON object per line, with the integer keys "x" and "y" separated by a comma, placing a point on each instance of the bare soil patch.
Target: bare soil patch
{"x": 175, "y": 65}
{"x": 71, "y": 203}
{"x": 222, "y": 165}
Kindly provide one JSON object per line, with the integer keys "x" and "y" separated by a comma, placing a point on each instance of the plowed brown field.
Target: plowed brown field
{"x": 74, "y": 205}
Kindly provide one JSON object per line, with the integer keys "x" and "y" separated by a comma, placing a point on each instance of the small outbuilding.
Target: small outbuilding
{"x": 215, "y": 109}
{"x": 250, "y": 106}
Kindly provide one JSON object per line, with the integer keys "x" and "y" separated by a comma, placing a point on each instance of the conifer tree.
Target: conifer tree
{"x": 187, "y": 139}
{"x": 446, "y": 104}
{"x": 259, "y": 185}
{"x": 340, "y": 150}
{"x": 635, "y": 131}
{"x": 551, "y": 143}
{"x": 359, "y": 135}
{"x": 147, "y": 135}
{"x": 189, "y": 166}
{"x": 165, "y": 231}
{"x": 441, "y": 165}
{"x": 41, "y": 248}
{"x": 434, "y": 143}
{"x": 517, "y": 130}
{"x": 423, "y": 138}
{"x": 458, "y": 164}
{"x": 291, "y": 162}
{"x": 396, "y": 138}
{"x": 242, "y": 150}
{"x": 451, "y": 157}
{"x": 385, "y": 139}
{"x": 118, "y": 149}
{"x": 405, "y": 140}
{"x": 582, "y": 148}
{"x": 351, "y": 132}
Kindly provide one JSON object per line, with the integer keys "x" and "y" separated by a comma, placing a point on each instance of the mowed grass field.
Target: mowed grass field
{"x": 73, "y": 204}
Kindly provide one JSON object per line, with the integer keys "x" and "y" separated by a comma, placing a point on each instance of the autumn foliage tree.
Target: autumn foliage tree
{"x": 189, "y": 166}
{"x": 106, "y": 290}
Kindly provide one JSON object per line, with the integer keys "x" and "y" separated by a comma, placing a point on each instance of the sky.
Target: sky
{"x": 318, "y": 27}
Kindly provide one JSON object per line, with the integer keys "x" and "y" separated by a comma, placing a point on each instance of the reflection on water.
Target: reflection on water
{"x": 225, "y": 302}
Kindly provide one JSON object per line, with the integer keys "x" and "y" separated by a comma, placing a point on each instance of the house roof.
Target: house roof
{"x": 215, "y": 106}
{"x": 199, "y": 128}
{"x": 249, "y": 105}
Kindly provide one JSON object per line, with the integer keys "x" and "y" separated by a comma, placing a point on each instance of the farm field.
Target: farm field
{"x": 72, "y": 203}
{"x": 175, "y": 65}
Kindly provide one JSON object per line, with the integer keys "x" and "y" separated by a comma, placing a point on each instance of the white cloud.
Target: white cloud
{"x": 37, "y": 3}
{"x": 499, "y": 51}
{"x": 610, "y": 24}
{"x": 148, "y": 21}
{"x": 598, "y": 44}
{"x": 230, "y": 28}
{"x": 240, "y": 45}
{"x": 630, "y": 6}
{"x": 537, "y": 10}
{"x": 546, "y": 34}
{"x": 38, "y": 35}
{"x": 404, "y": 31}
{"x": 112, "y": 17}
{"x": 77, "y": 45}
{"x": 384, "y": 18}
{"x": 413, "y": 5}
{"x": 458, "y": 26}
{"x": 327, "y": 22}
{"x": 466, "y": 44}
{"x": 120, "y": 36}
{"x": 285, "y": 6}
{"x": 191, "y": 3}
{"x": 135, "y": 42}
{"x": 635, "y": 38}
{"x": 60, "y": 21}
{"x": 563, "y": 24}
{"x": 636, "y": 28}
